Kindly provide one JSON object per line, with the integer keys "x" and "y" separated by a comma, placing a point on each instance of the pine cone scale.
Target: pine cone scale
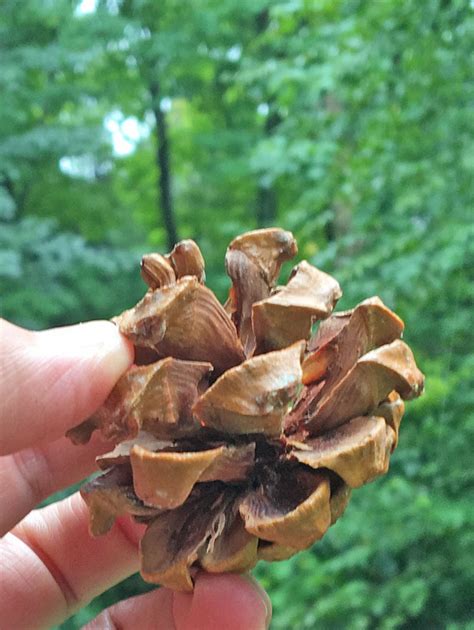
{"x": 272, "y": 519}
{"x": 253, "y": 397}
{"x": 356, "y": 451}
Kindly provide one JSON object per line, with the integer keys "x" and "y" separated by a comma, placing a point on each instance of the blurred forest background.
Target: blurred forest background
{"x": 128, "y": 124}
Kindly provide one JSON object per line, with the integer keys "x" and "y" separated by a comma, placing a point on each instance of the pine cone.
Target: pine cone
{"x": 237, "y": 438}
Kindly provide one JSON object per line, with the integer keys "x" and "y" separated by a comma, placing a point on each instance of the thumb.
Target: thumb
{"x": 54, "y": 379}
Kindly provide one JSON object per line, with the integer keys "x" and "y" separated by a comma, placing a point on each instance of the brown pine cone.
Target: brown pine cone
{"x": 240, "y": 432}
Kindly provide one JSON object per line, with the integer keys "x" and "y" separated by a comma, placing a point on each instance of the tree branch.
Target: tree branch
{"x": 163, "y": 167}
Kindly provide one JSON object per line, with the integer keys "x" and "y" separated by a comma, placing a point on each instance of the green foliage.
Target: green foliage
{"x": 348, "y": 122}
{"x": 57, "y": 277}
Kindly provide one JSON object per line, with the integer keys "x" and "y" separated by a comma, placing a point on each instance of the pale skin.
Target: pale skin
{"x": 50, "y": 565}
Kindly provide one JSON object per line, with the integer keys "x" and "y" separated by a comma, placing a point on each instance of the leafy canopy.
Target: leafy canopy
{"x": 348, "y": 122}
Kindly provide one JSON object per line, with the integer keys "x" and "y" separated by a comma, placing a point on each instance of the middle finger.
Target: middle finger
{"x": 52, "y": 566}
{"x": 31, "y": 475}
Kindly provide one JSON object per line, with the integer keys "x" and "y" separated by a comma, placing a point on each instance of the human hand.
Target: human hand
{"x": 49, "y": 382}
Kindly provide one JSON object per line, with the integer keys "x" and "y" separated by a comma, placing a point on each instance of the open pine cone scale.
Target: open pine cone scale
{"x": 239, "y": 433}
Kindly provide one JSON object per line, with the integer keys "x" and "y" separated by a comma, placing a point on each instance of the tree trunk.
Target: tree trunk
{"x": 163, "y": 168}
{"x": 18, "y": 194}
{"x": 267, "y": 202}
{"x": 266, "y": 206}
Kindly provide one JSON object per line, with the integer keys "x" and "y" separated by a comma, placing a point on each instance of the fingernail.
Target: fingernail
{"x": 99, "y": 334}
{"x": 109, "y": 348}
{"x": 99, "y": 341}
{"x": 263, "y": 596}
